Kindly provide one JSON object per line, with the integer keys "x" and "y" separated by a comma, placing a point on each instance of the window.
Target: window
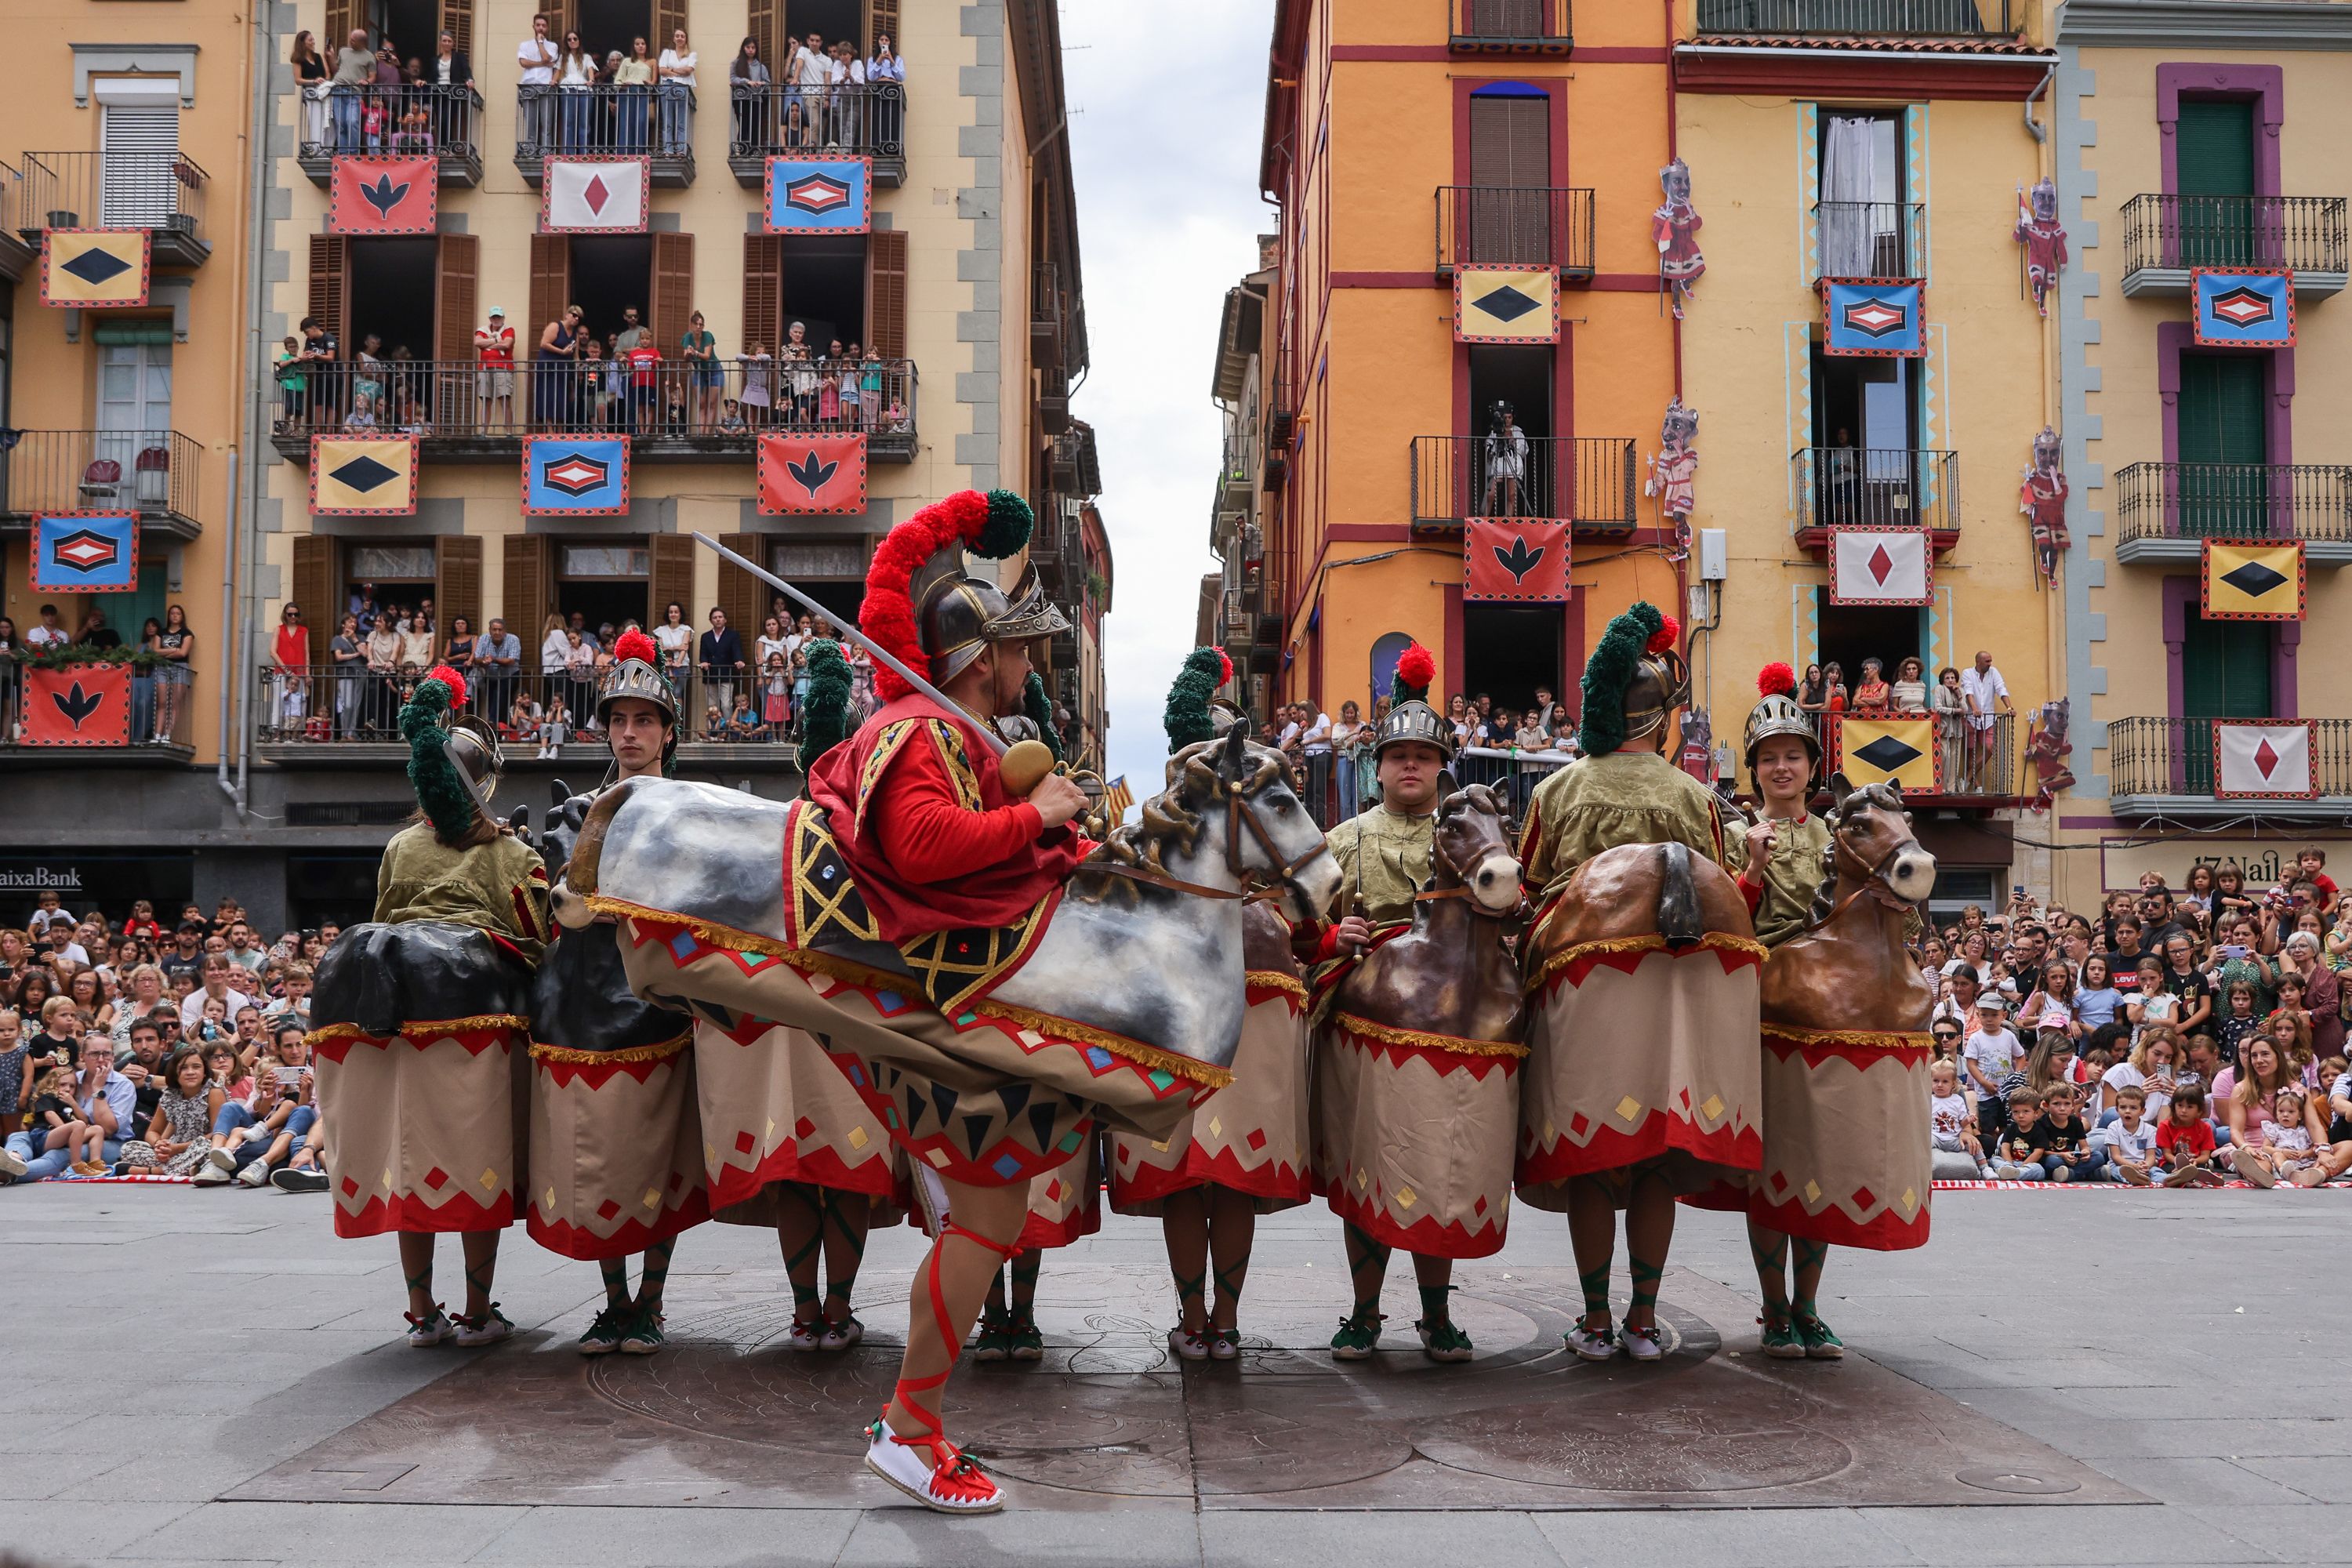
{"x": 140, "y": 143}
{"x": 1862, "y": 229}
{"x": 2224, "y": 441}
{"x": 389, "y": 563}
{"x": 1956, "y": 887}
{"x": 2215, "y": 177}
{"x": 606, "y": 560}
{"x": 1511, "y": 171}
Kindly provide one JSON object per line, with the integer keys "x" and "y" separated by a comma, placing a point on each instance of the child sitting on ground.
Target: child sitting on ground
{"x": 2241, "y": 1021}
{"x": 1958, "y": 1152}
{"x": 2131, "y": 1141}
{"x": 2017, "y": 1157}
{"x": 2070, "y": 1156}
{"x": 2184, "y": 1141}
{"x": 2287, "y": 1141}
{"x": 57, "y": 1123}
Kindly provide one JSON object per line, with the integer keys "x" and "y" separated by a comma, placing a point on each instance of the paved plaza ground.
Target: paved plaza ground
{"x": 2078, "y": 1378}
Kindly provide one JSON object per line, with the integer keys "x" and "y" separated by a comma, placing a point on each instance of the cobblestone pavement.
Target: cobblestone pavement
{"x": 2060, "y": 1377}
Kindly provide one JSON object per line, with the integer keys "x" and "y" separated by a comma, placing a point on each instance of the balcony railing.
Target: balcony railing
{"x": 868, "y": 118}
{"x": 1519, "y": 226}
{"x": 1511, "y": 26}
{"x": 1869, "y": 18}
{"x": 1870, "y": 240}
{"x": 160, "y": 192}
{"x": 328, "y": 706}
{"x": 1049, "y": 313}
{"x": 1977, "y": 756}
{"x": 445, "y": 122}
{"x": 162, "y": 702}
{"x": 552, "y": 122}
{"x": 1587, "y": 481}
{"x": 456, "y": 407}
{"x": 156, "y": 474}
{"x": 1876, "y": 487}
{"x": 2174, "y": 757}
{"x": 2166, "y": 236}
{"x": 2191, "y": 501}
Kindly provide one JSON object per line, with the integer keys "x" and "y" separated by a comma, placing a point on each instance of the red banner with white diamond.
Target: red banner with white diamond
{"x": 1514, "y": 560}
{"x": 594, "y": 195}
{"x": 2264, "y": 759}
{"x": 1881, "y": 566}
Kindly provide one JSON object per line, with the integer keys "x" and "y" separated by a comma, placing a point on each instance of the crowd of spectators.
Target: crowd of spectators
{"x": 159, "y": 658}
{"x": 128, "y": 1048}
{"x": 1967, "y": 705}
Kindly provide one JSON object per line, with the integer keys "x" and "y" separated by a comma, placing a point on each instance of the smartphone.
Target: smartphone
{"x": 2233, "y": 950}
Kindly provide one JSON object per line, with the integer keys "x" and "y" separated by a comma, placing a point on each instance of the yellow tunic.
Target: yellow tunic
{"x": 1623, "y": 797}
{"x": 1385, "y": 860}
{"x": 1794, "y": 874}
{"x": 498, "y": 887}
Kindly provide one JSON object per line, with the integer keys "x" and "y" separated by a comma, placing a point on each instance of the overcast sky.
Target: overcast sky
{"x": 1164, "y": 135}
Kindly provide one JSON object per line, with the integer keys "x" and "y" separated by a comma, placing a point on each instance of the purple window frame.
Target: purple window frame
{"x": 2286, "y": 641}
{"x": 2265, "y": 86}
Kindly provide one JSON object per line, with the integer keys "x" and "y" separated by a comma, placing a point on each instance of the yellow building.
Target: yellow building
{"x": 125, "y": 395}
{"x": 2204, "y": 135}
{"x": 1889, "y": 146}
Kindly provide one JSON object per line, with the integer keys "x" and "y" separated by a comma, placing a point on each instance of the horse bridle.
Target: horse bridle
{"x": 1256, "y": 887}
{"x": 1873, "y": 877}
{"x": 1462, "y": 888}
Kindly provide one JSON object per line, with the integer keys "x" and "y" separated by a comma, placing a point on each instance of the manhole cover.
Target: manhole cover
{"x": 2026, "y": 1483}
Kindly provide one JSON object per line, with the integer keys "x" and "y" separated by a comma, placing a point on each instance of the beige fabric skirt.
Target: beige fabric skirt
{"x": 423, "y": 1132}
{"x": 1846, "y": 1148}
{"x": 615, "y": 1149}
{"x": 1252, "y": 1135}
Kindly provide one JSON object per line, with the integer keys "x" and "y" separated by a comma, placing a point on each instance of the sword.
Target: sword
{"x": 1020, "y": 764}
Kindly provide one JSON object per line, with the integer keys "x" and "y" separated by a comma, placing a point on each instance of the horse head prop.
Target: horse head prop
{"x": 1873, "y": 852}
{"x": 1850, "y": 968}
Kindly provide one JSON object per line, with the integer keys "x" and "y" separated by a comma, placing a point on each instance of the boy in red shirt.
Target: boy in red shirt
{"x": 2311, "y": 866}
{"x": 642, "y": 359}
{"x": 2184, "y": 1141}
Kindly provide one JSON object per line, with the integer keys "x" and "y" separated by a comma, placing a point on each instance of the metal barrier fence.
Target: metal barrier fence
{"x": 162, "y": 701}
{"x": 1977, "y": 756}
{"x": 773, "y": 117}
{"x": 1871, "y": 239}
{"x": 1530, "y": 226}
{"x": 1876, "y": 487}
{"x": 551, "y": 121}
{"x": 445, "y": 122}
{"x": 1335, "y": 787}
{"x": 151, "y": 472}
{"x": 1510, "y": 23}
{"x": 359, "y": 703}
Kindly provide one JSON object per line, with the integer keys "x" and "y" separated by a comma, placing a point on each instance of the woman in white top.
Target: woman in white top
{"x": 772, "y": 639}
{"x": 800, "y": 370}
{"x": 417, "y": 642}
{"x": 554, "y": 648}
{"x": 885, "y": 65}
{"x": 678, "y": 84}
{"x": 576, "y": 75}
{"x": 675, "y": 640}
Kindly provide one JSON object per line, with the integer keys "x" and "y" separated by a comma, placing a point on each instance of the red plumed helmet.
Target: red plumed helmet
{"x": 634, "y": 644}
{"x": 1667, "y": 636}
{"x": 1225, "y": 667}
{"x": 452, "y": 680}
{"x": 1416, "y": 665}
{"x": 1775, "y": 679}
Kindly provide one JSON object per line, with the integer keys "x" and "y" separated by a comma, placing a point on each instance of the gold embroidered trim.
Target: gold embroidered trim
{"x": 949, "y": 747}
{"x": 1650, "y": 942}
{"x": 421, "y": 1028}
{"x": 1874, "y": 1039}
{"x": 1274, "y": 980}
{"x": 1454, "y": 1043}
{"x": 708, "y": 930}
{"x": 660, "y": 1052}
{"x": 886, "y": 746}
{"x": 1136, "y": 1051}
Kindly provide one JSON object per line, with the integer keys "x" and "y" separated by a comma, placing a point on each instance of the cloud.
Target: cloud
{"x": 1164, "y": 128}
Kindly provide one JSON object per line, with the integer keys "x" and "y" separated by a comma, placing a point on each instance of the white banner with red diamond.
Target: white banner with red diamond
{"x": 1881, "y": 566}
{"x": 594, "y": 195}
{"x": 2264, "y": 759}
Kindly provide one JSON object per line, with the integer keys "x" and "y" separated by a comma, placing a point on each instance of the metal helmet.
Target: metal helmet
{"x": 959, "y": 616}
{"x": 472, "y": 747}
{"x": 1661, "y": 683}
{"x": 1416, "y": 722}
{"x": 1777, "y": 714}
{"x": 635, "y": 676}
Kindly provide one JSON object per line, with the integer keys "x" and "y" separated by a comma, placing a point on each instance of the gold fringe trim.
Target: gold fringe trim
{"x": 660, "y": 1052}
{"x": 1650, "y": 942}
{"x": 1874, "y": 1039}
{"x": 1454, "y": 1043}
{"x": 1275, "y": 980}
{"x": 1136, "y": 1051}
{"x": 421, "y": 1028}
{"x": 708, "y": 930}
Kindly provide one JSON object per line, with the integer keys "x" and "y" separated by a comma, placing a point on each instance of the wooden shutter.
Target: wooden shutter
{"x": 342, "y": 16}
{"x": 881, "y": 17}
{"x": 457, "y": 21}
{"x": 669, "y": 16}
{"x": 550, "y": 287}
{"x": 530, "y": 591}
{"x": 2225, "y": 670}
{"x": 2217, "y": 148}
{"x": 317, "y": 590}
{"x": 744, "y": 596}
{"x": 886, "y": 293}
{"x": 458, "y": 581}
{"x": 672, "y": 578}
{"x": 765, "y": 15}
{"x": 454, "y": 296}
{"x": 330, "y": 262}
{"x": 672, "y": 290}
{"x": 1510, "y": 140}
{"x": 560, "y": 21}
{"x": 763, "y": 290}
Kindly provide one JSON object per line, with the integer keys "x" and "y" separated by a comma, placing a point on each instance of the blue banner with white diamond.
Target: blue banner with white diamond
{"x": 813, "y": 194}
{"x": 85, "y": 552}
{"x": 2243, "y": 307}
{"x": 1874, "y": 318}
{"x": 574, "y": 475}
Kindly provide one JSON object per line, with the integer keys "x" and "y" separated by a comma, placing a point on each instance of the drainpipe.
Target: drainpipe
{"x": 2039, "y": 132}
{"x": 228, "y": 613}
{"x": 245, "y": 477}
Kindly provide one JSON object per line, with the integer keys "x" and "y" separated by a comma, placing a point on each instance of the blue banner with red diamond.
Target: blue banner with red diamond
{"x": 1874, "y": 318}
{"x": 2244, "y": 306}
{"x": 575, "y": 476}
{"x": 85, "y": 552}
{"x": 820, "y": 195}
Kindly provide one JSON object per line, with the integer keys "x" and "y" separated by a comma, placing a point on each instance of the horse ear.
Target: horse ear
{"x": 1450, "y": 800}
{"x": 1236, "y": 749}
{"x": 1839, "y": 788}
{"x": 563, "y": 792}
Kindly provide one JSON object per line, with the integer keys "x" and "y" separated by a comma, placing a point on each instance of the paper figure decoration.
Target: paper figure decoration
{"x": 1514, "y": 560}
{"x": 2044, "y": 239}
{"x": 2042, "y": 498}
{"x": 95, "y": 269}
{"x": 85, "y": 552}
{"x": 813, "y": 194}
{"x": 1674, "y": 226}
{"x": 1674, "y": 472}
{"x": 801, "y": 475}
{"x": 2242, "y": 307}
{"x": 574, "y": 476}
{"x": 2264, "y": 758}
{"x": 384, "y": 195}
{"x": 2047, "y": 748}
{"x": 1881, "y": 566}
{"x": 594, "y": 195}
{"x": 80, "y": 705}
{"x": 1505, "y": 461}
{"x": 2250, "y": 580}
{"x": 1501, "y": 303}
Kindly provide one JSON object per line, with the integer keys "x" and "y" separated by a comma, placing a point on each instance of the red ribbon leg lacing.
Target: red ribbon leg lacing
{"x": 908, "y": 1387}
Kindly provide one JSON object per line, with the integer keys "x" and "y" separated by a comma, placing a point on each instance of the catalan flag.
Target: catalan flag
{"x": 1117, "y": 799}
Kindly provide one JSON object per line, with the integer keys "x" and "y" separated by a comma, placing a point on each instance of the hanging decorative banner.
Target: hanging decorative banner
{"x": 809, "y": 194}
{"x": 801, "y": 476}
{"x": 371, "y": 195}
{"x": 2044, "y": 237}
{"x": 1673, "y": 228}
{"x": 575, "y": 476}
{"x": 85, "y": 552}
{"x": 2250, "y": 580}
{"x": 1881, "y": 566}
{"x": 80, "y": 705}
{"x": 1903, "y": 752}
{"x": 2264, "y": 758}
{"x": 363, "y": 476}
{"x": 95, "y": 269}
{"x": 594, "y": 195}
{"x": 2242, "y": 307}
{"x": 1494, "y": 303}
{"x": 1514, "y": 560}
{"x": 1872, "y": 318}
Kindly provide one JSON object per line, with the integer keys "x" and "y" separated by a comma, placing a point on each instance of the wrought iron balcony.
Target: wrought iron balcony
{"x": 1874, "y": 486}
{"x": 1526, "y": 227}
{"x": 1862, "y": 18}
{"x": 2164, "y": 767}
{"x": 155, "y": 474}
{"x": 160, "y": 726}
{"x": 1511, "y": 27}
{"x": 445, "y": 122}
{"x": 2165, "y": 511}
{"x": 16, "y": 255}
{"x": 163, "y": 193}
{"x": 2167, "y": 236}
{"x": 1977, "y": 762}
{"x": 1870, "y": 240}
{"x": 671, "y": 420}
{"x": 1587, "y": 480}
{"x": 606, "y": 119}
{"x": 772, "y": 117}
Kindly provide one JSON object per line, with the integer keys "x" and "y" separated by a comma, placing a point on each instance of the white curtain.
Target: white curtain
{"x": 1846, "y": 230}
